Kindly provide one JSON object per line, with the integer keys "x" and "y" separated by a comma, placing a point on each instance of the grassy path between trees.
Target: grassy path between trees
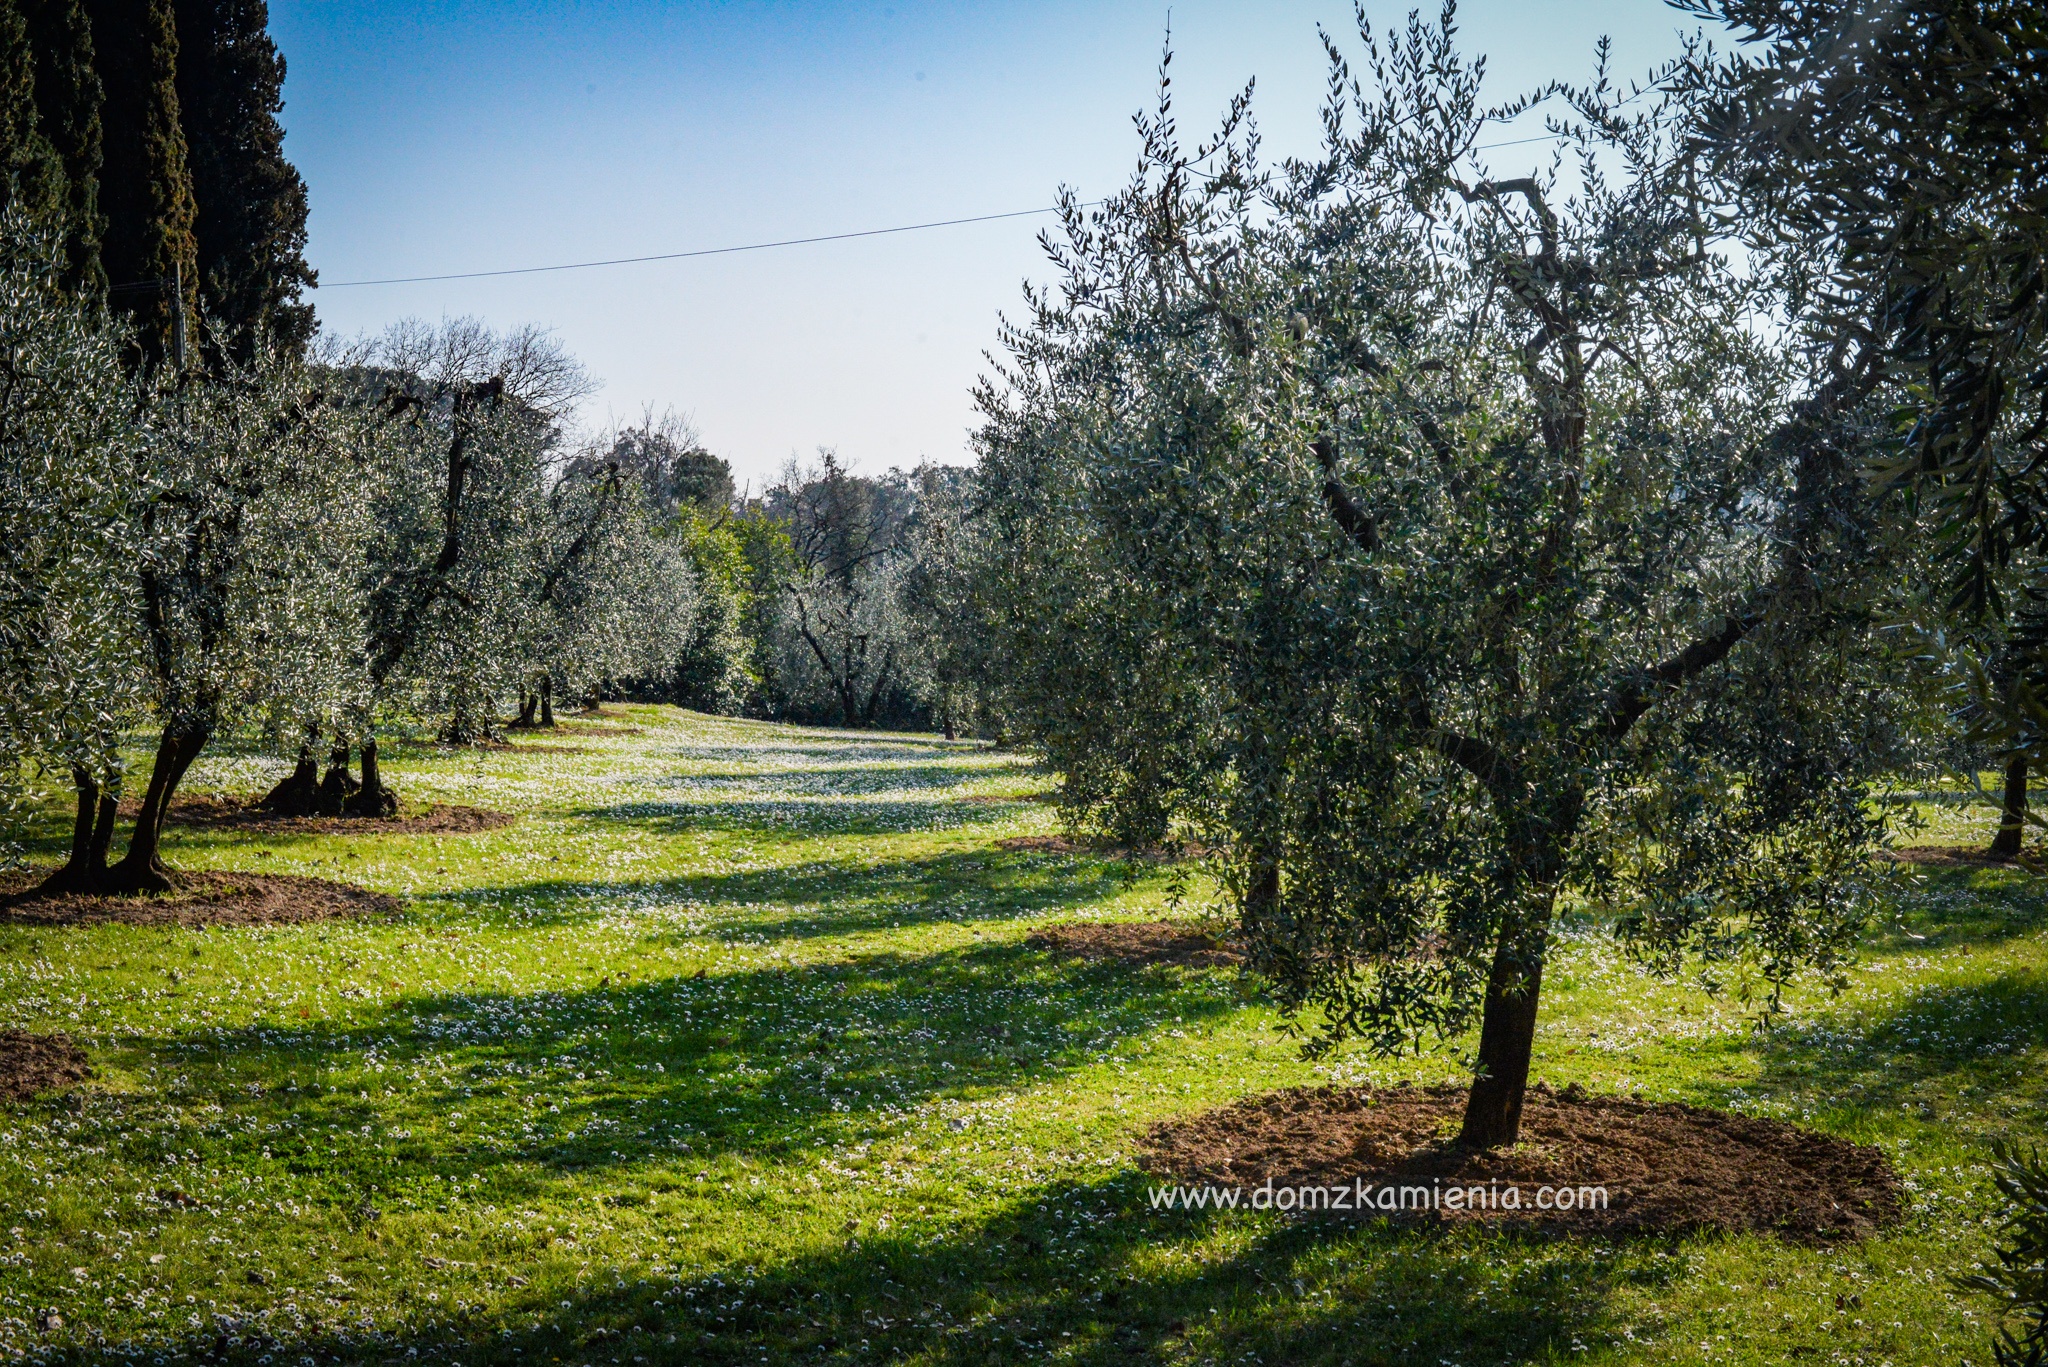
{"x": 730, "y": 1049}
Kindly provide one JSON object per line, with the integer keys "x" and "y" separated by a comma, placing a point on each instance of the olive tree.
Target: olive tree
{"x": 843, "y": 634}
{"x": 240, "y": 583}
{"x": 457, "y": 426}
{"x": 1899, "y": 143}
{"x": 944, "y": 620}
{"x": 612, "y": 600}
{"x": 1448, "y": 548}
{"x": 76, "y": 442}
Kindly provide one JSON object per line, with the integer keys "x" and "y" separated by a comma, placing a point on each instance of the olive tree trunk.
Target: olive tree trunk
{"x": 336, "y": 786}
{"x": 1507, "y": 1024}
{"x": 298, "y": 793}
{"x": 373, "y": 798}
{"x": 92, "y": 831}
{"x": 141, "y": 868}
{"x": 2012, "y": 822}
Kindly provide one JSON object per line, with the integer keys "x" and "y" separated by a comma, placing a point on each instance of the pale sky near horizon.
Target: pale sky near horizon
{"x": 473, "y": 135}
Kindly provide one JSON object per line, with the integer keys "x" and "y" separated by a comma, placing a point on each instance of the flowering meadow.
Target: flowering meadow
{"x": 731, "y": 1049}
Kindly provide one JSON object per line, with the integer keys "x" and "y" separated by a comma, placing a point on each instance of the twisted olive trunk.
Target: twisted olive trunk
{"x": 2012, "y": 822}
{"x": 373, "y": 799}
{"x": 336, "y": 787}
{"x": 81, "y": 826}
{"x": 299, "y": 792}
{"x": 92, "y": 831}
{"x": 547, "y": 700}
{"x": 141, "y": 868}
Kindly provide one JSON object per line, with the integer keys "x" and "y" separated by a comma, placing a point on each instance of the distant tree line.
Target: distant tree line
{"x": 821, "y": 598}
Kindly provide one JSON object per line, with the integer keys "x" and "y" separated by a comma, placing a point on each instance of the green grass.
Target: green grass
{"x": 730, "y": 1050}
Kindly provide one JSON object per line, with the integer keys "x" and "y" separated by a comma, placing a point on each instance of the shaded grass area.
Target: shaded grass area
{"x": 732, "y": 1050}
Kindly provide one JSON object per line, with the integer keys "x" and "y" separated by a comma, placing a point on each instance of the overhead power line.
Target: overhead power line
{"x": 679, "y": 256}
{"x": 747, "y": 247}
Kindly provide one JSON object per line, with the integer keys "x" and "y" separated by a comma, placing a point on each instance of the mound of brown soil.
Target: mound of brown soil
{"x": 1662, "y": 1166}
{"x": 1053, "y": 844}
{"x": 38, "y": 1063}
{"x": 1060, "y": 844}
{"x": 1958, "y": 857}
{"x": 235, "y": 814}
{"x": 199, "y": 899}
{"x": 1136, "y": 942}
{"x": 602, "y": 728}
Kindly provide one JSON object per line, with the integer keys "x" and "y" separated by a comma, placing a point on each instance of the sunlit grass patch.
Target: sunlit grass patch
{"x": 732, "y": 1049}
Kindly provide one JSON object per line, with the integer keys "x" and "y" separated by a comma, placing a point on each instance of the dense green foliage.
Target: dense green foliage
{"x": 146, "y": 133}
{"x": 1516, "y": 589}
{"x": 145, "y": 180}
{"x": 68, "y": 97}
{"x": 1901, "y": 144}
{"x": 2019, "y": 1277}
{"x": 31, "y": 175}
{"x": 251, "y": 225}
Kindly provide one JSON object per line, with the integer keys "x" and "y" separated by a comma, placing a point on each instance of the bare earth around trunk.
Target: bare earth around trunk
{"x": 1060, "y": 844}
{"x": 1137, "y": 942}
{"x": 1665, "y": 1166}
{"x": 31, "y": 1064}
{"x": 1958, "y": 857}
{"x": 198, "y": 899}
{"x": 229, "y": 813}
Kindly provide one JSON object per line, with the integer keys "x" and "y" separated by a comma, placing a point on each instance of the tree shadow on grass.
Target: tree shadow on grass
{"x": 1860, "y": 1064}
{"x": 781, "y": 742}
{"x": 767, "y": 1064}
{"x": 807, "y": 816}
{"x": 828, "y": 780}
{"x": 1964, "y": 906}
{"x": 1079, "y": 1270}
{"x": 812, "y": 899}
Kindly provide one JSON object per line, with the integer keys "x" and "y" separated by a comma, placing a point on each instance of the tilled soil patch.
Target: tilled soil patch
{"x": 1136, "y": 942}
{"x": 234, "y": 814}
{"x": 199, "y": 899}
{"x": 1060, "y": 844}
{"x": 30, "y": 1064}
{"x": 1663, "y": 1166}
{"x": 1958, "y": 857}
{"x": 595, "y": 727}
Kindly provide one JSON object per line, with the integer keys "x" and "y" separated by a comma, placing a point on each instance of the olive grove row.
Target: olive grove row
{"x": 301, "y": 549}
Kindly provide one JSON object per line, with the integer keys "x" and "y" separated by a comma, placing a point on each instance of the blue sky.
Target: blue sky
{"x": 443, "y": 137}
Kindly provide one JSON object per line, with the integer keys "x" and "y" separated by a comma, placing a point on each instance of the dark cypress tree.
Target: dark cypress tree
{"x": 68, "y": 107}
{"x": 145, "y": 183}
{"x": 252, "y": 204}
{"x": 31, "y": 176}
